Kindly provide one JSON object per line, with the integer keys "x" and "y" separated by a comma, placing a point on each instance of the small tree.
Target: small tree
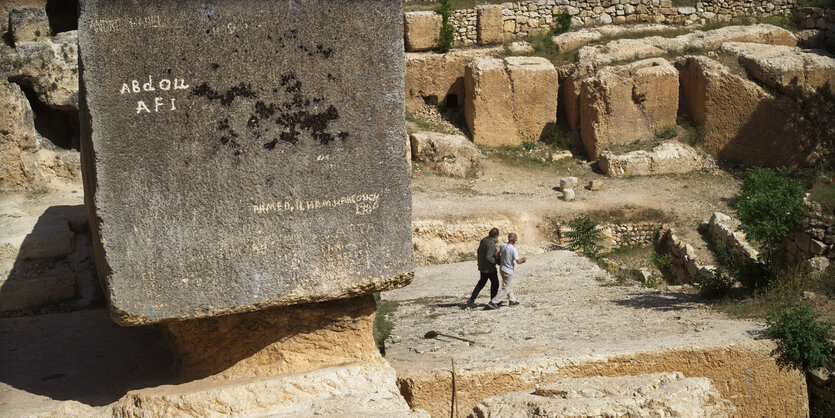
{"x": 769, "y": 205}
{"x": 584, "y": 236}
{"x": 803, "y": 340}
{"x": 447, "y": 35}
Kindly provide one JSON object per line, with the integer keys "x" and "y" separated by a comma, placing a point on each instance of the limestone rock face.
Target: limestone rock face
{"x": 450, "y": 155}
{"x": 266, "y": 343}
{"x": 286, "y": 184}
{"x": 431, "y": 77}
{"x": 422, "y": 30}
{"x": 742, "y": 122}
{"x": 489, "y": 27}
{"x": 357, "y": 389}
{"x": 786, "y": 68}
{"x": 18, "y": 138}
{"x": 510, "y": 101}
{"x": 667, "y": 158}
{"x": 627, "y": 103}
{"x": 28, "y": 24}
{"x": 592, "y": 58}
{"x": 50, "y": 66}
{"x": 578, "y": 38}
{"x": 630, "y": 396}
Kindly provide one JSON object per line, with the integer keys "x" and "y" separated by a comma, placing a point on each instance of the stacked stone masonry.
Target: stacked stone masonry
{"x": 818, "y": 18}
{"x": 813, "y": 237}
{"x": 685, "y": 266}
{"x": 623, "y": 235}
{"x": 524, "y": 17}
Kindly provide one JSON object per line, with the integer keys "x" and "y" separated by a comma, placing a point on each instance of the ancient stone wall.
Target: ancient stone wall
{"x": 685, "y": 265}
{"x": 813, "y": 237}
{"x": 818, "y": 18}
{"x": 524, "y": 17}
{"x": 620, "y": 235}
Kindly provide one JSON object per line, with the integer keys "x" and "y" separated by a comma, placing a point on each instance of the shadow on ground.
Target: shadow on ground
{"x": 673, "y": 301}
{"x": 82, "y": 356}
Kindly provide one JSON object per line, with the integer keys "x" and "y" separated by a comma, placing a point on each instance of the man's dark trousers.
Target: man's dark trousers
{"x": 493, "y": 276}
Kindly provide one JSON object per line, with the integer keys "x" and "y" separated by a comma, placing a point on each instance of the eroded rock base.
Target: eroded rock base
{"x": 276, "y": 341}
{"x": 628, "y": 396}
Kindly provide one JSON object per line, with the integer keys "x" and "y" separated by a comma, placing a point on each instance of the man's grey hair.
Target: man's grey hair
{"x": 511, "y": 237}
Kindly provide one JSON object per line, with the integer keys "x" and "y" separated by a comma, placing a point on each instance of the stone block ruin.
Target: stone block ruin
{"x": 247, "y": 189}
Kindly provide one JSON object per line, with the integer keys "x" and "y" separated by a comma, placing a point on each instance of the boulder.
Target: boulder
{"x": 743, "y": 123}
{"x": 627, "y": 103}
{"x": 627, "y": 396}
{"x": 489, "y": 27}
{"x": 568, "y": 195}
{"x": 50, "y": 67}
{"x": 786, "y": 68}
{"x": 510, "y": 101}
{"x": 521, "y": 47}
{"x": 432, "y": 78}
{"x": 595, "y": 185}
{"x": 579, "y": 38}
{"x": 28, "y": 24}
{"x": 450, "y": 155}
{"x": 251, "y": 192}
{"x": 667, "y": 158}
{"x": 421, "y": 30}
{"x": 568, "y": 183}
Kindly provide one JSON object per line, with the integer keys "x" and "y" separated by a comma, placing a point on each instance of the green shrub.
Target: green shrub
{"x": 669, "y": 132}
{"x": 447, "y": 35}
{"x": 563, "y": 23}
{"x": 661, "y": 261}
{"x": 752, "y": 274}
{"x": 714, "y": 285}
{"x": 768, "y": 205}
{"x": 786, "y": 22}
{"x": 584, "y": 236}
{"x": 803, "y": 340}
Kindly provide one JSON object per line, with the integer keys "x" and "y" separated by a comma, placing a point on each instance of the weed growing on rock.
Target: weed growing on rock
{"x": 447, "y": 35}
{"x": 563, "y": 23}
{"x": 669, "y": 132}
{"x": 382, "y": 323}
{"x": 803, "y": 339}
{"x": 823, "y": 191}
{"x": 584, "y": 236}
{"x": 768, "y": 205}
{"x": 661, "y": 261}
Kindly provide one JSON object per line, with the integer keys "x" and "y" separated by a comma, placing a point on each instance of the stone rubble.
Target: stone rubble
{"x": 449, "y": 155}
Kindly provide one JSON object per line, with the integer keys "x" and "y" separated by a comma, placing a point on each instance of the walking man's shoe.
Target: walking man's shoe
{"x": 513, "y": 303}
{"x": 490, "y": 306}
{"x": 470, "y": 303}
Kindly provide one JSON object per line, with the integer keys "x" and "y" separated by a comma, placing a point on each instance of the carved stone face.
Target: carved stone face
{"x": 244, "y": 154}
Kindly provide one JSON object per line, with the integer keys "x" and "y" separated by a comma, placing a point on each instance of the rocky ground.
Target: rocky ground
{"x": 571, "y": 322}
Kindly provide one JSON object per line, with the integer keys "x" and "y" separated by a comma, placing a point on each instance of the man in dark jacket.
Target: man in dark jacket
{"x": 486, "y": 266}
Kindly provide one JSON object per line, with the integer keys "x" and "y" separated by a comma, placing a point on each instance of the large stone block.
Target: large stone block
{"x": 489, "y": 26}
{"x": 786, "y": 68}
{"x": 667, "y": 158}
{"x": 421, "y": 30}
{"x": 432, "y": 78}
{"x": 510, "y": 101}
{"x": 17, "y": 138}
{"x": 248, "y": 157}
{"x": 627, "y": 103}
{"x": 742, "y": 122}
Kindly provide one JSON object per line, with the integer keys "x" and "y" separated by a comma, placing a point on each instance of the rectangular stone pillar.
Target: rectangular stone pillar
{"x": 244, "y": 154}
{"x": 489, "y": 26}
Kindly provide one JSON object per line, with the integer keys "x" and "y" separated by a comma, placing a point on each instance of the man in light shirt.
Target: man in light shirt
{"x": 508, "y": 257}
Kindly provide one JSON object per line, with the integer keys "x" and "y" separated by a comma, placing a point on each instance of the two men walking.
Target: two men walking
{"x": 488, "y": 256}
